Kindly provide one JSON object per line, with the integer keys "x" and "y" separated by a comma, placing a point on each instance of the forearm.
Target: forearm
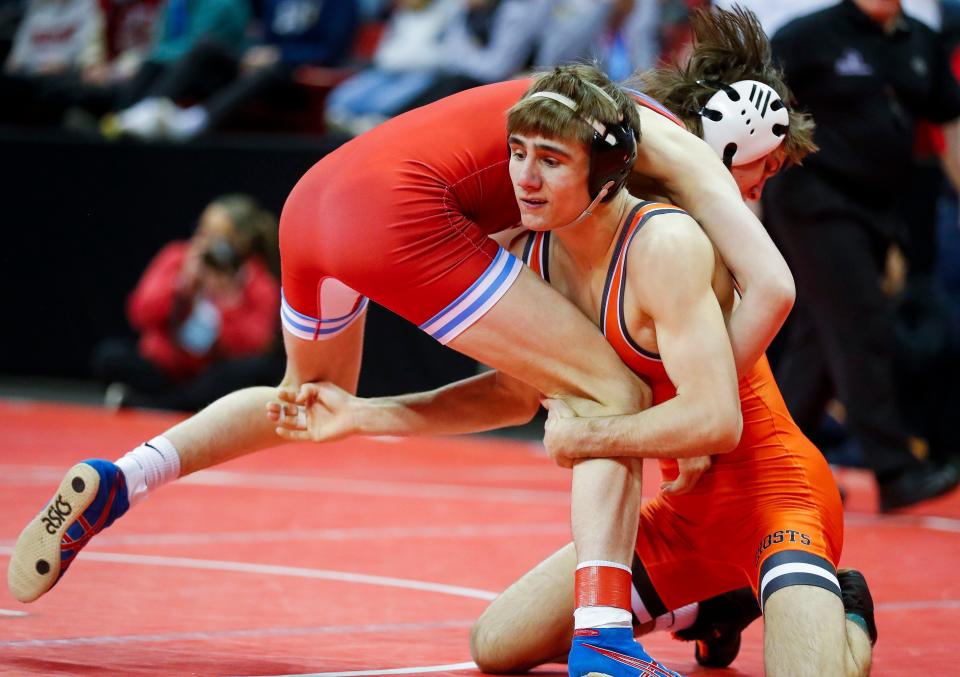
{"x": 484, "y": 402}
{"x": 673, "y": 429}
{"x": 704, "y": 188}
{"x": 763, "y": 308}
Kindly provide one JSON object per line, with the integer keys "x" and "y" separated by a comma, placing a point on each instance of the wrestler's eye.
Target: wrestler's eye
{"x": 517, "y": 154}
{"x": 550, "y": 162}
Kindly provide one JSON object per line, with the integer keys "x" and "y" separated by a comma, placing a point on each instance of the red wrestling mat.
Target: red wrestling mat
{"x": 364, "y": 557}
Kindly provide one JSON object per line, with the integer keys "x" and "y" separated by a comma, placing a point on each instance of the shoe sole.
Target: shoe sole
{"x": 35, "y": 563}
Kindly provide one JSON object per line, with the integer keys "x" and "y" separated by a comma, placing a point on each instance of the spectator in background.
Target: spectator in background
{"x": 488, "y": 41}
{"x": 774, "y": 14}
{"x": 57, "y": 36}
{"x": 57, "y": 41}
{"x": 185, "y": 26}
{"x": 867, "y": 73}
{"x": 11, "y": 14}
{"x": 76, "y": 74}
{"x": 674, "y": 31}
{"x": 204, "y": 306}
{"x": 406, "y": 63}
{"x": 927, "y": 312}
{"x": 295, "y": 33}
{"x": 620, "y": 36}
{"x": 129, "y": 27}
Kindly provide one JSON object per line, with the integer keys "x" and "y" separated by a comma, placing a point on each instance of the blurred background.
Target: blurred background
{"x": 147, "y": 147}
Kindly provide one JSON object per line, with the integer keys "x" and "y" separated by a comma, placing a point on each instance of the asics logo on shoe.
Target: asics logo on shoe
{"x": 647, "y": 668}
{"x": 56, "y": 514}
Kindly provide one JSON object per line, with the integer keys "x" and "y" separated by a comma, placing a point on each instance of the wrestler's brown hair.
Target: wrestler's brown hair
{"x": 727, "y": 46}
{"x": 545, "y": 117}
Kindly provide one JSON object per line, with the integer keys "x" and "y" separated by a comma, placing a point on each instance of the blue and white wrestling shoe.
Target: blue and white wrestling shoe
{"x": 611, "y": 652}
{"x": 91, "y": 496}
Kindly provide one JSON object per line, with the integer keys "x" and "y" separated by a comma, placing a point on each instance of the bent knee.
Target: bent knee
{"x": 495, "y": 649}
{"x": 619, "y": 397}
{"x": 483, "y": 650}
{"x": 804, "y": 633}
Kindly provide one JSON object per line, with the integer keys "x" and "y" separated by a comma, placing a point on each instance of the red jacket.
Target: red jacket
{"x": 247, "y": 327}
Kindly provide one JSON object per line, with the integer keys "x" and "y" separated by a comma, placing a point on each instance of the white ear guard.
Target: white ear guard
{"x": 744, "y": 121}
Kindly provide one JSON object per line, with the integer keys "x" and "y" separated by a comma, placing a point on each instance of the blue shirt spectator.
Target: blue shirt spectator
{"x": 183, "y": 22}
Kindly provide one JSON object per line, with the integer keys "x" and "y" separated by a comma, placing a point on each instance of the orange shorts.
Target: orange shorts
{"x": 764, "y": 515}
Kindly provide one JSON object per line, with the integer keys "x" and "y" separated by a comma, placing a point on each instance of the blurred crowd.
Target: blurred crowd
{"x": 205, "y": 310}
{"x": 176, "y": 69}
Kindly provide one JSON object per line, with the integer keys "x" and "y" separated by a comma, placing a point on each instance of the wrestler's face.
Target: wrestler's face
{"x": 751, "y": 176}
{"x": 549, "y": 180}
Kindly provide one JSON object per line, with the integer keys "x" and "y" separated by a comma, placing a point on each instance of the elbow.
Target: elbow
{"x": 784, "y": 293}
{"x": 725, "y": 430}
{"x": 779, "y": 293}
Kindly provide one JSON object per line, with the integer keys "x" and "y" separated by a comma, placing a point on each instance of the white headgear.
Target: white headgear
{"x": 744, "y": 121}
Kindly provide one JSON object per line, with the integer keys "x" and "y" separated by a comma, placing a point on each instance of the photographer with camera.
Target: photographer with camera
{"x": 206, "y": 310}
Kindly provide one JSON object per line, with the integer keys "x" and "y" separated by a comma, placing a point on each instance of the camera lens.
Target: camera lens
{"x": 221, "y": 255}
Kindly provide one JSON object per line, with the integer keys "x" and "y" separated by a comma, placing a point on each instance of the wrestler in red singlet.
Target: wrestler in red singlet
{"x": 401, "y": 215}
{"x": 768, "y": 513}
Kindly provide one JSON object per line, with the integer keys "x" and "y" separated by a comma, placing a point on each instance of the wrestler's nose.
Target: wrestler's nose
{"x": 529, "y": 178}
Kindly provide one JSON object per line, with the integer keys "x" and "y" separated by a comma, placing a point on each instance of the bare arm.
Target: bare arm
{"x": 697, "y": 181}
{"x": 484, "y": 402}
{"x": 951, "y": 154}
{"x": 674, "y": 264}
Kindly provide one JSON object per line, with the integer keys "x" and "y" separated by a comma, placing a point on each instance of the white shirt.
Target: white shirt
{"x": 60, "y": 34}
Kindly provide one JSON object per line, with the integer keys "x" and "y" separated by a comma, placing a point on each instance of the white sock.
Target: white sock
{"x": 601, "y": 617}
{"x": 681, "y": 619}
{"x": 149, "y": 467}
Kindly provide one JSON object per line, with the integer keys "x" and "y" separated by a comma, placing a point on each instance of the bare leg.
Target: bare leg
{"x": 516, "y": 336}
{"x": 807, "y": 633}
{"x": 531, "y": 622}
{"x": 237, "y": 424}
{"x": 537, "y": 336}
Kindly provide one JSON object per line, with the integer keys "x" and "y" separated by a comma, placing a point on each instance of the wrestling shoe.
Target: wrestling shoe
{"x": 857, "y": 599}
{"x": 719, "y": 623}
{"x": 611, "y": 652}
{"x": 91, "y": 496}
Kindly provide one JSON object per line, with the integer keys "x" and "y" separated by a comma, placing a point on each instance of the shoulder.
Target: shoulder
{"x": 669, "y": 247}
{"x": 175, "y": 250}
{"x": 669, "y": 230}
{"x": 649, "y": 108}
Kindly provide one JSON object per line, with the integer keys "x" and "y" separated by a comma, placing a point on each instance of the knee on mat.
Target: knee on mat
{"x": 487, "y": 652}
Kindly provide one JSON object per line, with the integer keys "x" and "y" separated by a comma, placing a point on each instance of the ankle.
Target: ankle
{"x": 603, "y": 595}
